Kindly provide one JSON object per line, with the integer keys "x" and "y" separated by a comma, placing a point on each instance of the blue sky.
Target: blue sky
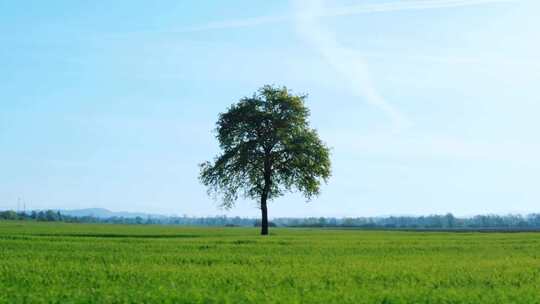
{"x": 429, "y": 106}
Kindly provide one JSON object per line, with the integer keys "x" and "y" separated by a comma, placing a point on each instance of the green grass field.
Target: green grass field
{"x": 77, "y": 263}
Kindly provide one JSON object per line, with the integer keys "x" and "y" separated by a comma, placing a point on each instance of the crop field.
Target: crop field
{"x": 86, "y": 263}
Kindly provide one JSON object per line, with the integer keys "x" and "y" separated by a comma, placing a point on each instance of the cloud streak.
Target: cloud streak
{"x": 390, "y": 6}
{"x": 405, "y": 5}
{"x": 349, "y": 65}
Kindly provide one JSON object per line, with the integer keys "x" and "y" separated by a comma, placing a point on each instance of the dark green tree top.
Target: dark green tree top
{"x": 268, "y": 148}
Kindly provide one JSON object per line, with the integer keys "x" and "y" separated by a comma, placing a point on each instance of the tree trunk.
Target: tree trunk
{"x": 264, "y": 215}
{"x": 265, "y": 192}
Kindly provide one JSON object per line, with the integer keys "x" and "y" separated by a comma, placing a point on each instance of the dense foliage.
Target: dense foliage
{"x": 78, "y": 263}
{"x": 267, "y": 148}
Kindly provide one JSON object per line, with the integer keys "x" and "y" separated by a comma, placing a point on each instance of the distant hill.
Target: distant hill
{"x": 105, "y": 213}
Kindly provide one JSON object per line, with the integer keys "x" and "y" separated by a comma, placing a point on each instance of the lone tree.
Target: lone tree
{"x": 268, "y": 148}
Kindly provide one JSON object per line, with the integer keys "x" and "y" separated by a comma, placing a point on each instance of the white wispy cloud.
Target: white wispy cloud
{"x": 389, "y": 6}
{"x": 235, "y": 23}
{"x": 404, "y": 5}
{"x": 349, "y": 64}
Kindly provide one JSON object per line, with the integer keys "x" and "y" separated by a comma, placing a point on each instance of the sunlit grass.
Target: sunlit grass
{"x": 42, "y": 262}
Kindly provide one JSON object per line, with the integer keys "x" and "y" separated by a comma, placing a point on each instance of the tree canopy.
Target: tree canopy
{"x": 268, "y": 148}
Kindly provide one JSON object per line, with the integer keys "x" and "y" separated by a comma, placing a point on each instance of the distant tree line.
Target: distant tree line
{"x": 447, "y": 221}
{"x": 44, "y": 216}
